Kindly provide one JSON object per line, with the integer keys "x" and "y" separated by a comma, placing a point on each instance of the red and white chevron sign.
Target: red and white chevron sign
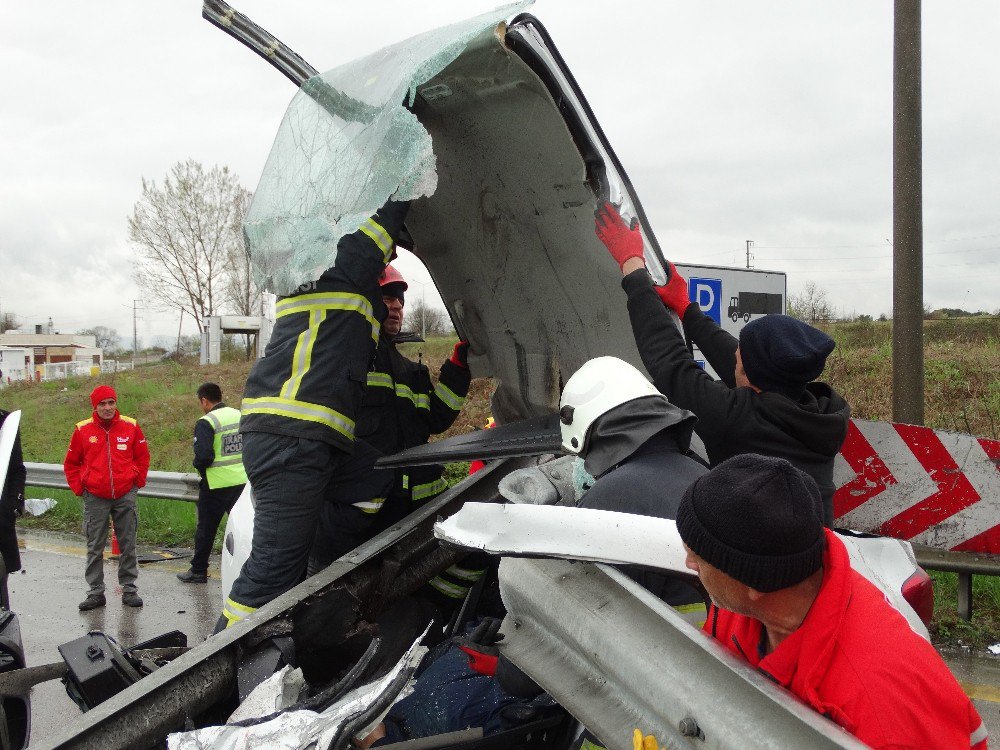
{"x": 928, "y": 486}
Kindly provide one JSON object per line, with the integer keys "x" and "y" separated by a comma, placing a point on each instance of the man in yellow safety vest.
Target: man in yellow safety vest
{"x": 218, "y": 457}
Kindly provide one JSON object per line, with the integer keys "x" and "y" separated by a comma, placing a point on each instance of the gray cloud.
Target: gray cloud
{"x": 768, "y": 121}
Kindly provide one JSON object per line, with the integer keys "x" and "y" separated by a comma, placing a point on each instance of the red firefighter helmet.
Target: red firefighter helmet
{"x": 391, "y": 276}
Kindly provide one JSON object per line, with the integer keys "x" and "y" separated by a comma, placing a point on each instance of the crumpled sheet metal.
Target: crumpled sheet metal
{"x": 299, "y": 729}
{"x": 548, "y": 483}
{"x": 347, "y": 143}
{"x": 276, "y": 693}
{"x": 566, "y": 533}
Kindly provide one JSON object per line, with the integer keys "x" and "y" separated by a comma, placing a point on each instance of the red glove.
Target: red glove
{"x": 481, "y": 646}
{"x": 675, "y": 292}
{"x": 460, "y": 355}
{"x": 622, "y": 241}
{"x": 485, "y": 664}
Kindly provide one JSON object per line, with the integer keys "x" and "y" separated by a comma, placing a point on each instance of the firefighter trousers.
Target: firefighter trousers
{"x": 291, "y": 478}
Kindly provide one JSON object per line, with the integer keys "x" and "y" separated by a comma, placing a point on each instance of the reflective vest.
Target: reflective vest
{"x": 227, "y": 468}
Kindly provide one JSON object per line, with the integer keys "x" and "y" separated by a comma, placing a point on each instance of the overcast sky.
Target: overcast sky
{"x": 769, "y": 121}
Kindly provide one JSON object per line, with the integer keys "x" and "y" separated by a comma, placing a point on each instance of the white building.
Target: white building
{"x": 55, "y": 355}
{"x": 16, "y": 364}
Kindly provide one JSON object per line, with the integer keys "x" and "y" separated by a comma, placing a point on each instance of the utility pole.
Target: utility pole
{"x": 749, "y": 245}
{"x": 179, "y": 323}
{"x": 907, "y": 218}
{"x": 135, "y": 331}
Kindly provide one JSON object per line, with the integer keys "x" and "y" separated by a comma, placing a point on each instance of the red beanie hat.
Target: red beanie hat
{"x": 102, "y": 392}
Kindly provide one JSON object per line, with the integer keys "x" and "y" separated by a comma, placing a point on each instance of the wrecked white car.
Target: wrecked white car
{"x": 482, "y": 124}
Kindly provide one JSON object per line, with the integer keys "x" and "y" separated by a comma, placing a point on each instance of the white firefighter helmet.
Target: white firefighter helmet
{"x": 596, "y": 388}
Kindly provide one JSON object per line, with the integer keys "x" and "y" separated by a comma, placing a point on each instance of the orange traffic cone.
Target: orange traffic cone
{"x": 115, "y": 549}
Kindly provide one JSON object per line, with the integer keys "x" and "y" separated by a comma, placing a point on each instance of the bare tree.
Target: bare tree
{"x": 427, "y": 320}
{"x": 811, "y": 304}
{"x": 107, "y": 338}
{"x": 8, "y": 322}
{"x": 242, "y": 293}
{"x": 185, "y": 233}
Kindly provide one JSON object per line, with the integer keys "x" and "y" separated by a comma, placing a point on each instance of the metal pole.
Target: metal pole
{"x": 907, "y": 219}
{"x": 135, "y": 333}
{"x": 423, "y": 311}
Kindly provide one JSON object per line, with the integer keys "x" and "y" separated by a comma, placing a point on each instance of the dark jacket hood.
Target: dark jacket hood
{"x": 818, "y": 418}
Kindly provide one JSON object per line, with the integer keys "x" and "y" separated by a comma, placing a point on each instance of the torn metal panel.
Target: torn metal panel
{"x": 618, "y": 658}
{"x": 567, "y": 533}
{"x": 508, "y": 236}
{"x": 304, "y": 728}
{"x": 603, "y": 536}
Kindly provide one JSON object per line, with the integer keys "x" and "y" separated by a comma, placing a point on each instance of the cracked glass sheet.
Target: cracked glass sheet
{"x": 347, "y": 143}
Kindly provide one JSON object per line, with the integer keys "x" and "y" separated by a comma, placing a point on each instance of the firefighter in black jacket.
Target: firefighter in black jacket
{"x": 299, "y": 409}
{"x": 401, "y": 409}
{"x": 766, "y": 401}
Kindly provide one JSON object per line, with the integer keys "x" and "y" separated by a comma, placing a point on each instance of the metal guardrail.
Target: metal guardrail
{"x": 965, "y": 564}
{"x": 171, "y": 485}
{"x": 618, "y": 658}
{"x": 177, "y": 486}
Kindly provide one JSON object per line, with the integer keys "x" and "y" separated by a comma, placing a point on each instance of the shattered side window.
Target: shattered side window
{"x": 347, "y": 143}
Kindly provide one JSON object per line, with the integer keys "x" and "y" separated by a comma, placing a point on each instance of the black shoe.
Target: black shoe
{"x": 189, "y": 576}
{"x": 131, "y": 599}
{"x": 93, "y": 601}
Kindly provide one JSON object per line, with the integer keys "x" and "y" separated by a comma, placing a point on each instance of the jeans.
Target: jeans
{"x": 123, "y": 512}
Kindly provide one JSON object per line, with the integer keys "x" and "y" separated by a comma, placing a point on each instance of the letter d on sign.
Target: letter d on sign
{"x": 708, "y": 294}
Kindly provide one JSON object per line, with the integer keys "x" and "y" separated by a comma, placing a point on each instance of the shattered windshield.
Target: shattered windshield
{"x": 346, "y": 144}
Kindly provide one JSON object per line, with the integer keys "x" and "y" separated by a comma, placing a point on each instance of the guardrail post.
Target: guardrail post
{"x": 965, "y": 596}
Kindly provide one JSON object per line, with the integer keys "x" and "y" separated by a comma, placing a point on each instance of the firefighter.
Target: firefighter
{"x": 299, "y": 409}
{"x": 401, "y": 409}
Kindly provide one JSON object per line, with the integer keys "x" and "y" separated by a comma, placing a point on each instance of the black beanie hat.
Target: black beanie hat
{"x": 782, "y": 354}
{"x": 757, "y": 519}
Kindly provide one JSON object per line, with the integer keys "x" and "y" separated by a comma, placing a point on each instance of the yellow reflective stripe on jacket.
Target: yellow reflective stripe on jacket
{"x": 370, "y": 506}
{"x": 695, "y": 614}
{"x": 377, "y": 234}
{"x": 588, "y": 745}
{"x": 301, "y": 303}
{"x": 420, "y": 400}
{"x": 429, "y": 489}
{"x": 384, "y": 380}
{"x": 446, "y": 394}
{"x": 465, "y": 574}
{"x": 448, "y": 589}
{"x": 234, "y": 612}
{"x": 380, "y": 380}
{"x": 302, "y": 357}
{"x": 286, "y": 407}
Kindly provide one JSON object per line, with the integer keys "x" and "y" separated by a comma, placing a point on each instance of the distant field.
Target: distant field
{"x": 962, "y": 393}
{"x": 162, "y": 398}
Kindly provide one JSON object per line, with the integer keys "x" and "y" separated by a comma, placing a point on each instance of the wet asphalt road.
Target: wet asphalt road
{"x": 45, "y": 595}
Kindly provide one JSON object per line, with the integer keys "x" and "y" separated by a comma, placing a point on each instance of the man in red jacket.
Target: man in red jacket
{"x": 106, "y": 464}
{"x": 786, "y": 599}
